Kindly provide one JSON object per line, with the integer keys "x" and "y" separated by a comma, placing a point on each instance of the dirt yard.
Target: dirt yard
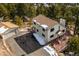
{"x": 3, "y": 51}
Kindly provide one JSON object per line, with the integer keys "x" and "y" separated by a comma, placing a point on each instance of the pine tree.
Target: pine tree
{"x": 19, "y": 21}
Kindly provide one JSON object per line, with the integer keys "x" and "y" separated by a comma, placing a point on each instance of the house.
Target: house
{"x": 7, "y": 29}
{"x": 46, "y": 29}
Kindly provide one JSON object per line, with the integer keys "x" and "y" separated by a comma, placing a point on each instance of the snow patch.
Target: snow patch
{"x": 34, "y": 20}
{"x": 44, "y": 26}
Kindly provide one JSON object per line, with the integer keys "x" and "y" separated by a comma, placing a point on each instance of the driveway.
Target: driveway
{"x": 3, "y": 50}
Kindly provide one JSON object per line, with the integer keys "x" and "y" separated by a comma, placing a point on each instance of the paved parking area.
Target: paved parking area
{"x": 28, "y": 43}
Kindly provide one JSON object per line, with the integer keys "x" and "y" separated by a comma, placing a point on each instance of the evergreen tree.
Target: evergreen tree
{"x": 19, "y": 21}
{"x": 73, "y": 45}
{"x": 41, "y": 9}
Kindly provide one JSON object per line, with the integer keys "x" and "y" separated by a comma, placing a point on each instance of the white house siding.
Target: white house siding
{"x": 62, "y": 28}
{"x": 40, "y": 31}
{"x": 48, "y": 33}
{"x": 56, "y": 28}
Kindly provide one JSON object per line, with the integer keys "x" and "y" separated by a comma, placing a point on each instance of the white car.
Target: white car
{"x": 50, "y": 50}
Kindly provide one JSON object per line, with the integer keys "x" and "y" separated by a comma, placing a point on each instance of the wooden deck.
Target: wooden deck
{"x": 28, "y": 43}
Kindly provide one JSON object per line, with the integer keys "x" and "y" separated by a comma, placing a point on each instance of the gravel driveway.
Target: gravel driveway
{"x": 3, "y": 51}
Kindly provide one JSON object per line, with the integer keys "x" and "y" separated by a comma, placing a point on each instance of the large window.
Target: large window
{"x": 34, "y": 23}
{"x": 51, "y": 36}
{"x": 37, "y": 30}
{"x": 43, "y": 29}
{"x": 52, "y": 29}
{"x": 43, "y": 35}
{"x": 63, "y": 30}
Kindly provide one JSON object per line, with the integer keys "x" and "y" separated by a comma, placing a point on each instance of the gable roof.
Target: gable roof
{"x": 4, "y": 26}
{"x": 45, "y": 20}
{"x": 8, "y": 25}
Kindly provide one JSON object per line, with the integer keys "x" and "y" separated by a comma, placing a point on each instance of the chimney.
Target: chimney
{"x": 63, "y": 22}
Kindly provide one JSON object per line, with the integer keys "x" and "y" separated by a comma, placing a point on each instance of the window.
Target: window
{"x": 63, "y": 30}
{"x": 37, "y": 30}
{"x": 43, "y": 35}
{"x": 43, "y": 29}
{"x": 51, "y": 36}
{"x": 52, "y": 29}
{"x": 34, "y": 23}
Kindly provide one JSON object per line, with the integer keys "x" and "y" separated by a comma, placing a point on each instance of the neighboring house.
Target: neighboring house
{"x": 46, "y": 29}
{"x": 7, "y": 29}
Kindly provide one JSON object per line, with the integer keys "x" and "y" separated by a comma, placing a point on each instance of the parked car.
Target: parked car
{"x": 50, "y": 50}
